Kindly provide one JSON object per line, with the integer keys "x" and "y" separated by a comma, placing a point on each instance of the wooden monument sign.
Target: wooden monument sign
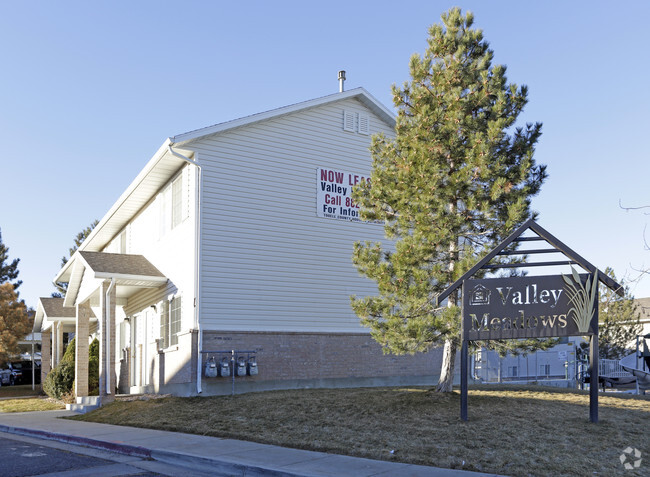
{"x": 531, "y": 307}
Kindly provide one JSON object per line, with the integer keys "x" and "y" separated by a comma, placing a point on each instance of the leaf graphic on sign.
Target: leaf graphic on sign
{"x": 582, "y": 298}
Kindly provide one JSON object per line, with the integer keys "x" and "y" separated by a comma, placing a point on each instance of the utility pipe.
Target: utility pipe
{"x": 107, "y": 339}
{"x": 197, "y": 261}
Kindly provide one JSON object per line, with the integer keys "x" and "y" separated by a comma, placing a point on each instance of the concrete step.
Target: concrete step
{"x": 84, "y": 404}
{"x": 89, "y": 400}
{"x": 80, "y": 408}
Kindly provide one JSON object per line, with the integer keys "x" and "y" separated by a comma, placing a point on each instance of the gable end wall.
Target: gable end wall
{"x": 268, "y": 262}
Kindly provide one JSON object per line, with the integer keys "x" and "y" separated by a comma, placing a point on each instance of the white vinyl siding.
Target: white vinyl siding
{"x": 171, "y": 253}
{"x": 165, "y": 204}
{"x": 268, "y": 262}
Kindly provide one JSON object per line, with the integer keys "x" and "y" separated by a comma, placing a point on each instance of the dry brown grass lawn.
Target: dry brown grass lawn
{"x": 512, "y": 431}
{"x": 29, "y": 405}
{"x": 22, "y": 390}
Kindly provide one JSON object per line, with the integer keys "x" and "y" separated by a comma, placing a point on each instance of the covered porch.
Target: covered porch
{"x": 56, "y": 323}
{"x": 100, "y": 284}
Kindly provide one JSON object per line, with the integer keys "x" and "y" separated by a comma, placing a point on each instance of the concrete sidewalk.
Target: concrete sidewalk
{"x": 212, "y": 455}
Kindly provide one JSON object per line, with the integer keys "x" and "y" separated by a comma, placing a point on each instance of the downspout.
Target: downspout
{"x": 109, "y": 365}
{"x": 197, "y": 262}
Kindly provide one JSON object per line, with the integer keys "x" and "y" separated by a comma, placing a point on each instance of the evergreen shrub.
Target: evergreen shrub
{"x": 60, "y": 380}
{"x": 59, "y": 383}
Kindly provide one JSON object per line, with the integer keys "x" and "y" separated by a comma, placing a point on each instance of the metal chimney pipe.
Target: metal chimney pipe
{"x": 341, "y": 81}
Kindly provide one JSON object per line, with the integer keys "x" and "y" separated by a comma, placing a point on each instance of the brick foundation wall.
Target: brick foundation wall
{"x": 320, "y": 356}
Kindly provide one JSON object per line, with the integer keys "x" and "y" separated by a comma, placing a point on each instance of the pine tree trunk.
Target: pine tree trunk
{"x": 446, "y": 381}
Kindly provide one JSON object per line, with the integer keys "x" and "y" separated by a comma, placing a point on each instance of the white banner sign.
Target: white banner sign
{"x": 333, "y": 194}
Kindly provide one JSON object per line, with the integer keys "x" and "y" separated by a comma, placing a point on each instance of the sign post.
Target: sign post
{"x": 464, "y": 355}
{"x": 593, "y": 376}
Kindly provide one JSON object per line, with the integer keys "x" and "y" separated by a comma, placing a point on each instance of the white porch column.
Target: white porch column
{"x": 57, "y": 337}
{"x": 107, "y": 375}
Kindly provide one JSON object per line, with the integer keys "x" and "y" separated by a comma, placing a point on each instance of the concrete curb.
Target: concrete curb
{"x": 126, "y": 449}
{"x": 220, "y": 466}
{"x": 176, "y": 458}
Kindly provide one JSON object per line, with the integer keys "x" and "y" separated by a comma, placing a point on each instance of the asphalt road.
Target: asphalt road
{"x": 25, "y": 456}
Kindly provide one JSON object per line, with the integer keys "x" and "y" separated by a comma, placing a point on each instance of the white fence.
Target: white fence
{"x": 556, "y": 364}
{"x": 611, "y": 368}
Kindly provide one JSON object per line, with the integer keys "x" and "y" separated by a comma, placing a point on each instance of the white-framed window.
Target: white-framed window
{"x": 118, "y": 244}
{"x": 175, "y": 313}
{"x": 170, "y": 321}
{"x": 177, "y": 201}
{"x": 544, "y": 369}
{"x": 173, "y": 204}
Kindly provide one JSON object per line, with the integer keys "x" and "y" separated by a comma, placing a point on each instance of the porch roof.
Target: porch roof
{"x": 51, "y": 310}
{"x": 88, "y": 270}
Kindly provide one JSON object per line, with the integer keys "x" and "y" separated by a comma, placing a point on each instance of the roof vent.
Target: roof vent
{"x": 341, "y": 80}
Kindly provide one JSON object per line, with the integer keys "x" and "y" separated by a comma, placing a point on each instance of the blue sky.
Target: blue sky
{"x": 90, "y": 90}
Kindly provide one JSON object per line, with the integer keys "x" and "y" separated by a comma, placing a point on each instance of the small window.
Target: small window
{"x": 512, "y": 371}
{"x": 173, "y": 206}
{"x": 544, "y": 369}
{"x": 123, "y": 242}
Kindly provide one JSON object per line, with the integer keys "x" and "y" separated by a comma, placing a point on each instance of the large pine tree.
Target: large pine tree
{"x": 455, "y": 181}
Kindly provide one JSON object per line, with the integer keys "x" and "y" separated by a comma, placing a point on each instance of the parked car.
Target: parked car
{"x": 25, "y": 368}
{"x": 5, "y": 377}
{"x": 11, "y": 374}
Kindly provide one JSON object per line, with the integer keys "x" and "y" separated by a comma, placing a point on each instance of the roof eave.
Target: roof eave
{"x": 38, "y": 317}
{"x": 154, "y": 281}
{"x": 155, "y": 159}
{"x": 360, "y": 93}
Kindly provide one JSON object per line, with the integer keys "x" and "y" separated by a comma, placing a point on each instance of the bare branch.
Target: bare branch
{"x": 620, "y": 204}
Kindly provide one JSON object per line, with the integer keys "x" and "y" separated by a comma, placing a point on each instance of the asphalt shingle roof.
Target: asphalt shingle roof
{"x": 119, "y": 263}
{"x": 53, "y": 308}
